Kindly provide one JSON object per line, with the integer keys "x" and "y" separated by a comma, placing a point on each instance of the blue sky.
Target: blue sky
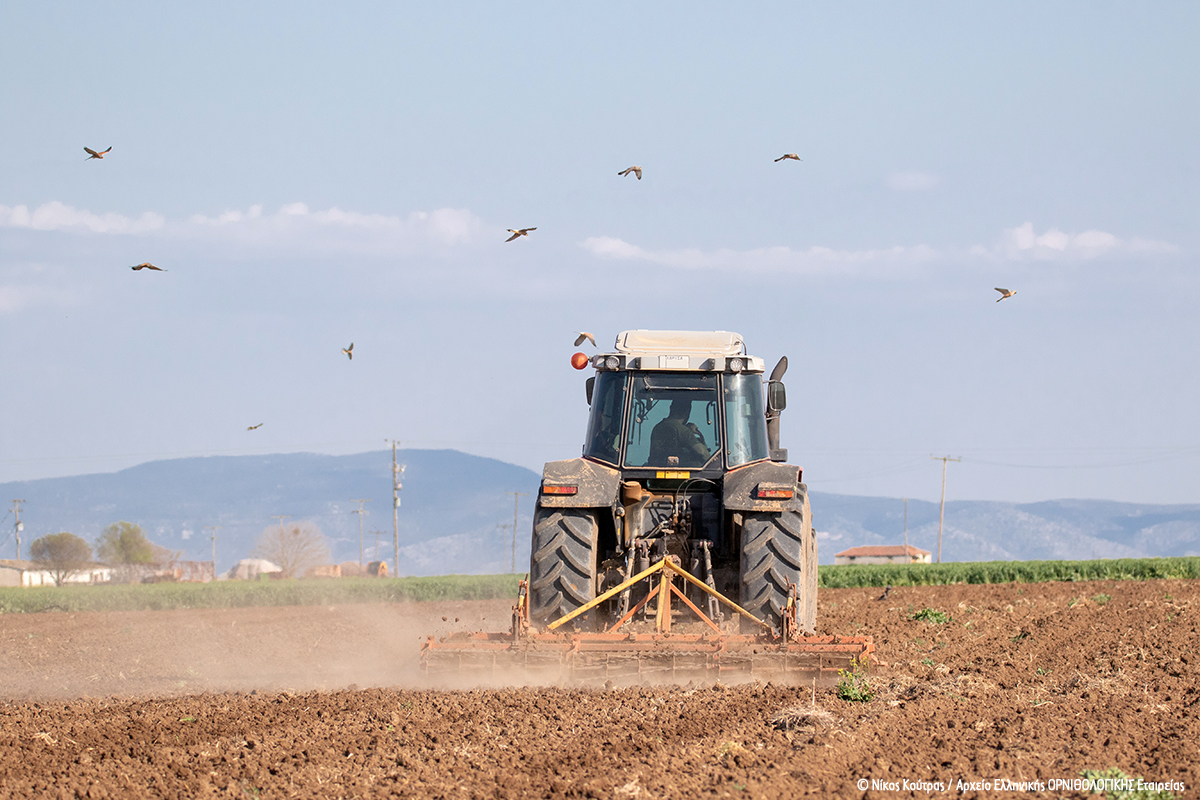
{"x": 311, "y": 176}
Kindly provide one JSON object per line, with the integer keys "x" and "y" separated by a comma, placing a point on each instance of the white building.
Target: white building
{"x": 249, "y": 569}
{"x": 883, "y": 554}
{"x": 27, "y": 573}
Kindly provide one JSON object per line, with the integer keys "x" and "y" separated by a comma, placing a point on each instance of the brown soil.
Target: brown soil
{"x": 1025, "y": 683}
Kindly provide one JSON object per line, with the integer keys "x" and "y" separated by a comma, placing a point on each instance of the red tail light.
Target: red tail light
{"x": 548, "y": 488}
{"x": 765, "y": 492}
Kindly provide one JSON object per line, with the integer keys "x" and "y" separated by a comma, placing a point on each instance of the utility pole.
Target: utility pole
{"x": 942, "y": 513}
{"x": 18, "y": 526}
{"x": 213, "y": 536}
{"x": 397, "y": 471}
{"x": 375, "y": 550}
{"x": 516, "y": 505}
{"x": 502, "y": 527}
{"x": 360, "y": 513}
{"x": 281, "y": 518}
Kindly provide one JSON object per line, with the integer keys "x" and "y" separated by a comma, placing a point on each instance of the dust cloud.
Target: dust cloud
{"x": 59, "y": 655}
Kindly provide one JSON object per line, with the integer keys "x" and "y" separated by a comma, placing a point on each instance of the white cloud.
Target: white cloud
{"x": 814, "y": 260}
{"x": 293, "y": 226}
{"x": 912, "y": 181}
{"x": 447, "y": 226}
{"x": 1023, "y": 242}
{"x": 56, "y": 216}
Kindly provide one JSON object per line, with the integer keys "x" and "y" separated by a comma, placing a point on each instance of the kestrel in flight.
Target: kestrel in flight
{"x": 1005, "y": 293}
{"x": 584, "y": 336}
{"x": 254, "y": 427}
{"x": 635, "y": 170}
{"x": 147, "y": 265}
{"x": 93, "y": 154}
{"x": 349, "y": 351}
{"x": 791, "y": 156}
{"x": 518, "y": 233}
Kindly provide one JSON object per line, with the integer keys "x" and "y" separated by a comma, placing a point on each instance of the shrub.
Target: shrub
{"x": 932, "y": 616}
{"x": 853, "y": 685}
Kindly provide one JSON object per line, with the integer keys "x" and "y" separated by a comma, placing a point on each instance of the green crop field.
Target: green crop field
{"x": 230, "y": 594}
{"x": 1118, "y": 569}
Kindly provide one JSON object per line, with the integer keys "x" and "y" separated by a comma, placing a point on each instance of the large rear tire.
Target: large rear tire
{"x": 562, "y": 567}
{"x": 778, "y": 548}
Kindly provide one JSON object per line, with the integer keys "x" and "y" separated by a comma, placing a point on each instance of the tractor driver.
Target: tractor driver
{"x": 674, "y": 436}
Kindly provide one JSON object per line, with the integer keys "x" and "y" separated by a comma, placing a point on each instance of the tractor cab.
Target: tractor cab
{"x": 669, "y": 401}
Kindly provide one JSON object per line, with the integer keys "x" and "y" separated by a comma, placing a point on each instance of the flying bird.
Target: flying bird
{"x": 349, "y": 351}
{"x": 1005, "y": 293}
{"x": 93, "y": 154}
{"x": 147, "y": 265}
{"x": 791, "y": 156}
{"x": 254, "y": 427}
{"x": 584, "y": 336}
{"x": 519, "y": 233}
{"x": 635, "y": 170}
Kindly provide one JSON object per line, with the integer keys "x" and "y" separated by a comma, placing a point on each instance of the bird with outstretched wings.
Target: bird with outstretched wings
{"x": 790, "y": 157}
{"x": 635, "y": 170}
{"x": 254, "y": 427}
{"x": 349, "y": 351}
{"x": 147, "y": 265}
{"x": 94, "y": 154}
{"x": 584, "y": 336}
{"x": 518, "y": 232}
{"x": 1005, "y": 293}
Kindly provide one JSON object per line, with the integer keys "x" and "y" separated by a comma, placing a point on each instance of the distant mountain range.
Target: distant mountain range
{"x": 453, "y": 507}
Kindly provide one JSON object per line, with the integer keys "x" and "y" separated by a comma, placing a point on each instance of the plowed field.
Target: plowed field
{"x": 1029, "y": 682}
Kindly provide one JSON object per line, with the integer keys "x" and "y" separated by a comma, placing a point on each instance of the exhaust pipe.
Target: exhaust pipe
{"x": 776, "y": 403}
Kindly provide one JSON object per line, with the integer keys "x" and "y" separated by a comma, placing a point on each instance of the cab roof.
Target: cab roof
{"x": 700, "y": 343}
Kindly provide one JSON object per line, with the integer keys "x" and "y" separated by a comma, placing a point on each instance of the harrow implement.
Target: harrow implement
{"x": 683, "y": 645}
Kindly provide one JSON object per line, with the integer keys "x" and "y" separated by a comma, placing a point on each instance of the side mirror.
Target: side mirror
{"x": 589, "y": 386}
{"x": 776, "y": 397}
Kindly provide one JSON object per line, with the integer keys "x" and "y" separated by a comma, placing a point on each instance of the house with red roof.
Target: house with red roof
{"x": 883, "y": 554}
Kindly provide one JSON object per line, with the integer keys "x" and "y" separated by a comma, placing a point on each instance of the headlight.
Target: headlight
{"x": 612, "y": 362}
{"x": 736, "y": 365}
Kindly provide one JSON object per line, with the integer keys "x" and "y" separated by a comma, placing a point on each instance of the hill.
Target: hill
{"x": 453, "y": 505}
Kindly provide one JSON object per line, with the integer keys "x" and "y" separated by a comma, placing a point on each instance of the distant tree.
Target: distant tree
{"x": 123, "y": 546}
{"x": 293, "y": 548}
{"x": 61, "y": 554}
{"x": 162, "y": 556}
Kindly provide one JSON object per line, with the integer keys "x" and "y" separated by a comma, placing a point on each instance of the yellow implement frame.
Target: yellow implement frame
{"x": 669, "y": 566}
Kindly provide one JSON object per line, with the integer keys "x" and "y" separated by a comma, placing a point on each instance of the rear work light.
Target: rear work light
{"x": 774, "y": 492}
{"x": 552, "y": 489}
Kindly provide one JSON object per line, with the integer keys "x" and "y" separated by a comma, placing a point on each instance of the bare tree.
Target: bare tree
{"x": 123, "y": 546}
{"x": 293, "y": 548}
{"x": 61, "y": 554}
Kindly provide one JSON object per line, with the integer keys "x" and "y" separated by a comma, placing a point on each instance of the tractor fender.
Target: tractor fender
{"x": 596, "y": 485}
{"x": 742, "y": 485}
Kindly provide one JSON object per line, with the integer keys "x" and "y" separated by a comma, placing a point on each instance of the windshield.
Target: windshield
{"x": 604, "y": 427}
{"x": 673, "y": 420}
{"x": 745, "y": 425}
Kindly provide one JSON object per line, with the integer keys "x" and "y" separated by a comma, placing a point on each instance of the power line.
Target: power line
{"x": 213, "y": 537}
{"x": 360, "y": 513}
{"x": 516, "y": 505}
{"x": 397, "y": 471}
{"x": 942, "y": 513}
{"x": 18, "y": 526}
